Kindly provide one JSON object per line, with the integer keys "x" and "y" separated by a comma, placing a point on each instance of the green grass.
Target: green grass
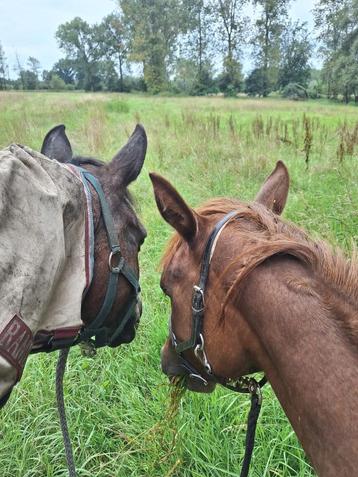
{"x": 117, "y": 403}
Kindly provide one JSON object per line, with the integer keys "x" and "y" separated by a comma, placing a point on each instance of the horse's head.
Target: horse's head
{"x": 114, "y": 178}
{"x": 230, "y": 346}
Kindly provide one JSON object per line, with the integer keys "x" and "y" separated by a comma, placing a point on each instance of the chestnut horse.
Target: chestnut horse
{"x": 67, "y": 284}
{"x": 275, "y": 301}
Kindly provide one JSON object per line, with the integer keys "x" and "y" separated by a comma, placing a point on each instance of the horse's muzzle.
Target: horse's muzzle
{"x": 173, "y": 367}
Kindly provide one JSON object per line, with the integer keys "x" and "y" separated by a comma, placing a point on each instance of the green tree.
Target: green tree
{"x": 255, "y": 82}
{"x": 19, "y": 84}
{"x": 337, "y": 26}
{"x": 296, "y": 49}
{"x": 199, "y": 44}
{"x": 29, "y": 80}
{"x": 266, "y": 40}
{"x": 34, "y": 66}
{"x": 232, "y": 26}
{"x": 66, "y": 70}
{"x": 81, "y": 43}
{"x": 154, "y": 28}
{"x": 56, "y": 83}
{"x": 3, "y": 68}
{"x": 114, "y": 37}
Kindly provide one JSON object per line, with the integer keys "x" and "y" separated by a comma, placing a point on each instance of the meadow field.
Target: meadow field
{"x": 118, "y": 402}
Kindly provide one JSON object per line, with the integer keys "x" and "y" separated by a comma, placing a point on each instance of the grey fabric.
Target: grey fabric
{"x": 42, "y": 246}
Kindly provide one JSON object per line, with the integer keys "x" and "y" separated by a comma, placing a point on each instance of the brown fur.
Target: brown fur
{"x": 274, "y": 236}
{"x": 114, "y": 178}
{"x": 277, "y": 301}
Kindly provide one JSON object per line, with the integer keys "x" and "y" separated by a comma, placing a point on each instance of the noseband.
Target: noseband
{"x": 196, "y": 343}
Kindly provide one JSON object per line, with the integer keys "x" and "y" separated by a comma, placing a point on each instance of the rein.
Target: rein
{"x": 197, "y": 344}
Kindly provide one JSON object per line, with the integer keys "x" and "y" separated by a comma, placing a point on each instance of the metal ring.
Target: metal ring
{"x": 199, "y": 346}
{"x": 118, "y": 268}
{"x": 174, "y": 340}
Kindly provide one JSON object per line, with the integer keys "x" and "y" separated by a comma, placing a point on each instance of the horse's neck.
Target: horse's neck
{"x": 310, "y": 364}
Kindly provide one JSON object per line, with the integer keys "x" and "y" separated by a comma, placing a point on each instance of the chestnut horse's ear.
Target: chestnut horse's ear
{"x": 173, "y": 208}
{"x": 56, "y": 144}
{"x": 274, "y": 191}
{"x": 128, "y": 162}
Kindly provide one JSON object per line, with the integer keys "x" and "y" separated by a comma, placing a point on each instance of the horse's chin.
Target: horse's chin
{"x": 125, "y": 338}
{"x": 198, "y": 387}
{"x": 129, "y": 332}
{"x": 192, "y": 384}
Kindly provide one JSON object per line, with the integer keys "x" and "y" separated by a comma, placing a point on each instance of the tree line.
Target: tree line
{"x": 197, "y": 47}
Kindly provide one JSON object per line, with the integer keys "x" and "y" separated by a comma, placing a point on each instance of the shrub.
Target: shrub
{"x": 294, "y": 91}
{"x": 56, "y": 83}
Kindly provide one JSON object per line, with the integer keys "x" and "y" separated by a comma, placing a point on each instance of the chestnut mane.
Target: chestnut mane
{"x": 264, "y": 235}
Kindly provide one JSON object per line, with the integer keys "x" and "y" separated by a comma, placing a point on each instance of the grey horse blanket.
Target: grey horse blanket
{"x": 44, "y": 267}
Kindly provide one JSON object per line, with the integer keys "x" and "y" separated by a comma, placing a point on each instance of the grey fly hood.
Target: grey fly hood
{"x": 44, "y": 264}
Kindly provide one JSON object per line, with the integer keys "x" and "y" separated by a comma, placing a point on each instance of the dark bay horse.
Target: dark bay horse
{"x": 70, "y": 240}
{"x": 275, "y": 301}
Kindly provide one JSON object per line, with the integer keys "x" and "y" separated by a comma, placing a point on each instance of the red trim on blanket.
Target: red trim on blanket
{"x": 88, "y": 270}
{"x": 16, "y": 340}
{"x": 42, "y": 336}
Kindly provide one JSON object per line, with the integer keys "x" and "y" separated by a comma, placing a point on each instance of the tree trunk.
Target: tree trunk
{"x": 120, "y": 64}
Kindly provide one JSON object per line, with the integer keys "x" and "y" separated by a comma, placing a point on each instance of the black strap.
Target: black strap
{"x": 250, "y": 432}
{"x": 199, "y": 290}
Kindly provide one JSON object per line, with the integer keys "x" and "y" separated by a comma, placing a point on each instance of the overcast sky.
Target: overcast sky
{"x": 27, "y": 27}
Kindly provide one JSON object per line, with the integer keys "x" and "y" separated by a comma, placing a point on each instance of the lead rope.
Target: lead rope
{"x": 60, "y": 371}
{"x": 256, "y": 400}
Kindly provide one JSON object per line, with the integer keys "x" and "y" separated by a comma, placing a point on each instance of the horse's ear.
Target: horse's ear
{"x": 173, "y": 208}
{"x": 128, "y": 162}
{"x": 274, "y": 191}
{"x": 56, "y": 145}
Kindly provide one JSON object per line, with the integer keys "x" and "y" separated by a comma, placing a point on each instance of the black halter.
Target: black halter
{"x": 97, "y": 333}
{"x": 103, "y": 336}
{"x": 196, "y": 342}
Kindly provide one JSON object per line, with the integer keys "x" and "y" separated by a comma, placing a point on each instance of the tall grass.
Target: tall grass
{"x": 117, "y": 403}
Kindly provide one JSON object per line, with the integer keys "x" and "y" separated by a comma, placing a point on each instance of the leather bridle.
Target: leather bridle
{"x": 97, "y": 330}
{"x": 243, "y": 384}
{"x": 196, "y": 341}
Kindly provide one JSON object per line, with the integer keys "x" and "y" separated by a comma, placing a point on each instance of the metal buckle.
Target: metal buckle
{"x": 254, "y": 388}
{"x": 119, "y": 266}
{"x": 201, "y": 355}
{"x": 198, "y": 291}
